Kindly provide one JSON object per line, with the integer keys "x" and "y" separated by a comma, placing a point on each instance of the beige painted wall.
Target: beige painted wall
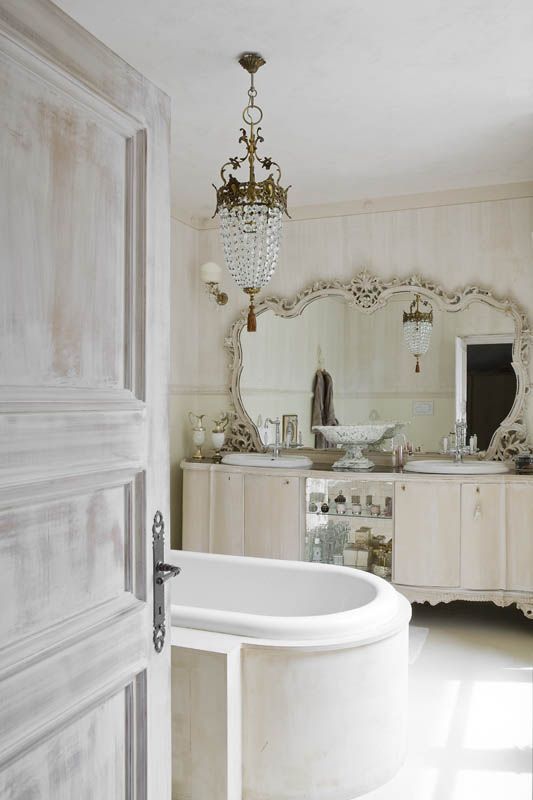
{"x": 486, "y": 243}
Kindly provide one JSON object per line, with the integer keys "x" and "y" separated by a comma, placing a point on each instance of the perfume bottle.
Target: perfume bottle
{"x": 388, "y": 507}
{"x": 313, "y": 506}
{"x": 362, "y": 547}
{"x": 356, "y": 504}
{"x": 340, "y": 503}
{"x": 317, "y": 549}
{"x": 379, "y": 557}
{"x": 368, "y": 505}
{"x": 325, "y": 506}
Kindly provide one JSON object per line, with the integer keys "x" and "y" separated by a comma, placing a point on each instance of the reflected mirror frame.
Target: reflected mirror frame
{"x": 368, "y": 293}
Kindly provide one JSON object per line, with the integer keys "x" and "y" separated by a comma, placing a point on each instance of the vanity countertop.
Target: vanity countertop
{"x": 380, "y": 472}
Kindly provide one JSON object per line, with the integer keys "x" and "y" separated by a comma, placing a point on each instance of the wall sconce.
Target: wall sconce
{"x": 210, "y": 273}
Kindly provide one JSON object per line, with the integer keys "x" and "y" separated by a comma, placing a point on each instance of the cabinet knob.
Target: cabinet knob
{"x": 286, "y": 482}
{"x": 403, "y": 487}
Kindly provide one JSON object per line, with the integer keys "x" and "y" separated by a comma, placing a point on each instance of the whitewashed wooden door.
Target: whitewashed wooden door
{"x": 84, "y": 254}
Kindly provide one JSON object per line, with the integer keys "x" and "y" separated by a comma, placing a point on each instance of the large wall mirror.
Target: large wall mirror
{"x": 476, "y": 365}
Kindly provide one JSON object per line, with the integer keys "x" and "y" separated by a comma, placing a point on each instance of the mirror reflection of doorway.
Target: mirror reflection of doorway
{"x": 488, "y": 383}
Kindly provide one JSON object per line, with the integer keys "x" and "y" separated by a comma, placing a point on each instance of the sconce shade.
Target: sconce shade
{"x": 210, "y": 272}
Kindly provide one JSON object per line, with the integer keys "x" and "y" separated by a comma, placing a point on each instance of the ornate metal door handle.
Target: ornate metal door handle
{"x": 162, "y": 573}
{"x": 168, "y": 570}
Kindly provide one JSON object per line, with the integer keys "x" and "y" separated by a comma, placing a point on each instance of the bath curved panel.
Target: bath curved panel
{"x": 311, "y": 701}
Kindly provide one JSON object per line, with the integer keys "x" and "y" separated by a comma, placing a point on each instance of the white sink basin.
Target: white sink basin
{"x": 267, "y": 460}
{"x": 451, "y": 468}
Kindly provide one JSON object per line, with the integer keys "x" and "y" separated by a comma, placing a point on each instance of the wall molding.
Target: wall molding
{"x": 376, "y": 205}
{"x": 176, "y": 389}
{"x": 447, "y": 394}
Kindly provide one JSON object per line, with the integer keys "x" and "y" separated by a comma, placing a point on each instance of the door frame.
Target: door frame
{"x": 461, "y": 347}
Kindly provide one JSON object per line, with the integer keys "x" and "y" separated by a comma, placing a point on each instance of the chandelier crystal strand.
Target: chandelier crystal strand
{"x": 251, "y": 212}
{"x": 417, "y": 329}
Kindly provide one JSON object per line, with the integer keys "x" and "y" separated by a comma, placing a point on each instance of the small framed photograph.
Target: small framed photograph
{"x": 290, "y": 426}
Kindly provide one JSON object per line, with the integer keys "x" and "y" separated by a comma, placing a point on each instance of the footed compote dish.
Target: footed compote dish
{"x": 356, "y": 438}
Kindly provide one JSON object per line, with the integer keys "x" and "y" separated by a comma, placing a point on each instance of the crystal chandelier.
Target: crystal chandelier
{"x": 251, "y": 211}
{"x": 417, "y": 327}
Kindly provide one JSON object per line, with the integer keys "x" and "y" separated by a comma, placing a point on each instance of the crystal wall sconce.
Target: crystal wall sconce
{"x": 210, "y": 273}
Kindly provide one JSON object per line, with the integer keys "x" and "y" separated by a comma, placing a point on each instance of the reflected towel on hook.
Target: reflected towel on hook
{"x": 322, "y": 412}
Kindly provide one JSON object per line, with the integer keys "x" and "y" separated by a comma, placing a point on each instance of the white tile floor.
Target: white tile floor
{"x": 470, "y": 706}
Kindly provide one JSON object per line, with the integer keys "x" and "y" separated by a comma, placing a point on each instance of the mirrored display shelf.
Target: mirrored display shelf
{"x": 349, "y": 515}
{"x": 341, "y": 531}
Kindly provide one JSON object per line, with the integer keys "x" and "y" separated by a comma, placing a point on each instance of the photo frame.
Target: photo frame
{"x": 286, "y": 420}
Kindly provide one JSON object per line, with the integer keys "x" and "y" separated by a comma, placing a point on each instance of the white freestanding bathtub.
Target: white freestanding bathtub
{"x": 289, "y": 680}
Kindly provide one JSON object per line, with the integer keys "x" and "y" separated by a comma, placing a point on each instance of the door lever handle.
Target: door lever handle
{"x": 168, "y": 571}
{"x": 162, "y": 573}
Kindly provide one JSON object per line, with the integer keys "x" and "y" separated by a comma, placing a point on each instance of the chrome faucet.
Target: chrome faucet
{"x": 460, "y": 441}
{"x": 276, "y": 447}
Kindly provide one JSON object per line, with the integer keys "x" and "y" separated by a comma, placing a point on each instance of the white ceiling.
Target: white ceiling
{"x": 362, "y": 98}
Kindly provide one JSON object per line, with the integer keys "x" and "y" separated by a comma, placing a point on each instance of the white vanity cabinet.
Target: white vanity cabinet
{"x": 453, "y": 538}
{"x": 230, "y": 512}
{"x": 427, "y": 533}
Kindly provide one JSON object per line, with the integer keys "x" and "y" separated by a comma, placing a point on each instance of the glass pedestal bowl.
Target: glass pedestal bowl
{"x": 354, "y": 439}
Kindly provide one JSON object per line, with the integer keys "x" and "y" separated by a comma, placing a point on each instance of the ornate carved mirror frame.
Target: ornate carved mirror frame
{"x": 369, "y": 293}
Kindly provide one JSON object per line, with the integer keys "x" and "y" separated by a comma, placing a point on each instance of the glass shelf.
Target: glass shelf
{"x": 347, "y": 516}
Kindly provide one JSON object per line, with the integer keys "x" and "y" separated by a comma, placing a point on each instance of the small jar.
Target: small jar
{"x": 375, "y": 510}
{"x": 349, "y": 555}
{"x": 356, "y": 504}
{"x": 340, "y": 503}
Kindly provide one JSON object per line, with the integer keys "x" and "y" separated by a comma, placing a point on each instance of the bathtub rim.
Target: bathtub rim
{"x": 388, "y": 613}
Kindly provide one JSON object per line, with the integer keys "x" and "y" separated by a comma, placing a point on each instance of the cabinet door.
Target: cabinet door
{"x": 426, "y": 533}
{"x": 272, "y": 516}
{"x": 482, "y": 535}
{"x": 227, "y": 513}
{"x": 195, "y": 518}
{"x": 519, "y": 503}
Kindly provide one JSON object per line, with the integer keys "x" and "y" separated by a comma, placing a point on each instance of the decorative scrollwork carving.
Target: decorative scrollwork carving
{"x": 500, "y": 598}
{"x": 369, "y": 293}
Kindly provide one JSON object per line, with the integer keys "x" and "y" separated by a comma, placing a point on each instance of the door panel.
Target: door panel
{"x": 85, "y": 759}
{"x": 427, "y": 521}
{"x": 84, "y": 248}
{"x": 73, "y": 551}
{"x": 66, "y": 205}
